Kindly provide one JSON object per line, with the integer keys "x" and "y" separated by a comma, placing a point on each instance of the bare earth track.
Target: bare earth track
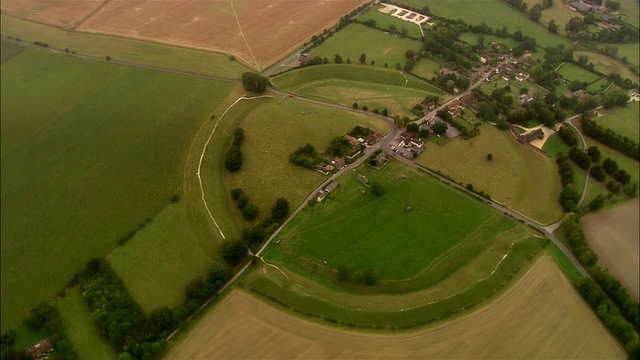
{"x": 613, "y": 235}
{"x": 250, "y": 29}
{"x": 61, "y": 13}
{"x": 541, "y": 316}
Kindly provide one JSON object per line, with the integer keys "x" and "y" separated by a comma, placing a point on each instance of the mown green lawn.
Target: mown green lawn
{"x": 573, "y": 72}
{"x": 89, "y": 152}
{"x": 357, "y": 39}
{"x": 384, "y": 21}
{"x": 554, "y": 146}
{"x": 426, "y": 68}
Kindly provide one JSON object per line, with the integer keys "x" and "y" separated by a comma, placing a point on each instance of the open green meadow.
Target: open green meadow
{"x": 563, "y": 262}
{"x": 384, "y": 21}
{"x": 607, "y": 65}
{"x": 623, "y": 120}
{"x": 357, "y": 39}
{"x": 558, "y": 12}
{"x": 426, "y": 68}
{"x": 554, "y": 146}
{"x": 90, "y": 151}
{"x": 495, "y": 13}
{"x": 80, "y": 328}
{"x": 573, "y": 72}
{"x": 630, "y": 51}
{"x": 134, "y": 51}
{"x": 275, "y": 128}
{"x": 599, "y": 85}
{"x": 152, "y": 264}
{"x": 519, "y": 176}
{"x": 446, "y": 253}
{"x": 9, "y": 50}
{"x": 631, "y": 11}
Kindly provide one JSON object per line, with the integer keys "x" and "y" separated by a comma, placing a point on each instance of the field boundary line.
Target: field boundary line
{"x": 235, "y": 16}
{"x": 204, "y": 149}
{"x": 89, "y": 15}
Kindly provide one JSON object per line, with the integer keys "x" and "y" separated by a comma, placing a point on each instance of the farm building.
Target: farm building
{"x": 325, "y": 170}
{"x": 41, "y": 349}
{"x": 332, "y": 187}
{"x": 339, "y": 163}
{"x": 363, "y": 179}
{"x": 321, "y": 195}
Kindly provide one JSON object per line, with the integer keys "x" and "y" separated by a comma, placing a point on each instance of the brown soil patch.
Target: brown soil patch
{"x": 263, "y": 32}
{"x": 613, "y": 235}
{"x": 541, "y": 316}
{"x": 61, "y": 13}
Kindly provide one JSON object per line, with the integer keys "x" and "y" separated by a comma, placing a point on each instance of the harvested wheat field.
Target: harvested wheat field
{"x": 541, "y": 316}
{"x": 61, "y": 13}
{"x": 256, "y": 32}
{"x": 614, "y": 236}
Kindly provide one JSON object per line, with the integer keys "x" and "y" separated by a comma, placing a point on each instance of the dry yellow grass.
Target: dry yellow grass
{"x": 613, "y": 235}
{"x": 541, "y": 316}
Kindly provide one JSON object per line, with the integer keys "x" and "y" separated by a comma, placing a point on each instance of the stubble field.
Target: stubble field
{"x": 613, "y": 235}
{"x": 257, "y": 33}
{"x": 61, "y": 13}
{"x": 524, "y": 322}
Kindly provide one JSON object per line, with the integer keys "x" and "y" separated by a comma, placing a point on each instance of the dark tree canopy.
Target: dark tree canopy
{"x": 280, "y": 209}
{"x": 254, "y": 82}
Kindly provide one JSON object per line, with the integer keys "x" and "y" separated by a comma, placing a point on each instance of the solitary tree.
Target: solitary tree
{"x": 254, "y": 82}
{"x": 337, "y": 59}
{"x": 363, "y": 58}
{"x": 439, "y": 128}
{"x": 489, "y": 156}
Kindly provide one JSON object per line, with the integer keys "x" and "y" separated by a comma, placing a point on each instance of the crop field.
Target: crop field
{"x": 129, "y": 50}
{"x": 607, "y": 65}
{"x": 478, "y": 12}
{"x": 426, "y": 68}
{"x": 384, "y": 21}
{"x": 257, "y": 33}
{"x": 518, "y": 176}
{"x": 9, "y": 50}
{"x": 275, "y": 128}
{"x": 60, "y": 13}
{"x": 613, "y": 234}
{"x": 80, "y": 328}
{"x": 523, "y": 322}
{"x": 152, "y": 264}
{"x": 357, "y": 39}
{"x": 573, "y": 72}
{"x": 89, "y": 152}
{"x": 623, "y": 120}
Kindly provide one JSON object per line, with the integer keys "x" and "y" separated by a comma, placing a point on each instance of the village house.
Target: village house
{"x": 339, "y": 163}
{"x": 373, "y": 138}
{"x": 325, "y": 170}
{"x": 303, "y": 59}
{"x": 430, "y": 105}
{"x": 332, "y": 187}
{"x": 41, "y": 349}
{"x": 321, "y": 195}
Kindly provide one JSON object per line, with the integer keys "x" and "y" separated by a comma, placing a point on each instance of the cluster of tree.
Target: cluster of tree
{"x": 254, "y": 82}
{"x": 611, "y": 167}
{"x": 361, "y": 277}
{"x": 580, "y": 157}
{"x": 618, "y": 293}
{"x": 578, "y": 29}
{"x": 610, "y": 138}
{"x": 197, "y": 292}
{"x": 39, "y": 43}
{"x": 360, "y": 131}
{"x": 44, "y": 318}
{"x": 544, "y": 73}
{"x": 305, "y": 156}
{"x": 569, "y": 197}
{"x": 440, "y": 129}
{"x": 339, "y": 146}
{"x": 233, "y": 251}
{"x": 565, "y": 170}
{"x": 568, "y": 135}
{"x": 253, "y": 237}
{"x": 249, "y": 210}
{"x": 424, "y": 133}
{"x": 233, "y": 157}
{"x": 450, "y": 81}
{"x": 615, "y": 97}
{"x": 117, "y": 316}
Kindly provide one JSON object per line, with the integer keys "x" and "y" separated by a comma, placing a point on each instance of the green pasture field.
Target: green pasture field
{"x": 472, "y": 39}
{"x": 495, "y": 13}
{"x": 630, "y": 9}
{"x": 563, "y": 262}
{"x": 361, "y": 230}
{"x": 518, "y": 176}
{"x": 607, "y": 65}
{"x": 152, "y": 264}
{"x": 554, "y": 146}
{"x": 134, "y": 51}
{"x": 426, "y": 68}
{"x": 558, "y": 12}
{"x": 599, "y": 85}
{"x": 623, "y": 120}
{"x": 357, "y": 39}
{"x": 89, "y": 152}
{"x": 80, "y": 328}
{"x": 573, "y": 72}
{"x": 384, "y": 21}
{"x": 275, "y": 128}
{"x": 291, "y": 80}
{"x": 630, "y": 51}
{"x": 9, "y": 50}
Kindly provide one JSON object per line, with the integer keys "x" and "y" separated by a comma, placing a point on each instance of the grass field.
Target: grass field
{"x": 573, "y": 72}
{"x": 623, "y": 120}
{"x": 524, "y": 322}
{"x": 613, "y": 234}
{"x": 134, "y": 51}
{"x": 275, "y": 128}
{"x": 558, "y": 12}
{"x": 364, "y": 231}
{"x": 384, "y": 21}
{"x": 630, "y": 9}
{"x": 80, "y": 328}
{"x": 472, "y": 39}
{"x": 495, "y": 13}
{"x": 9, "y": 50}
{"x": 607, "y": 65}
{"x": 89, "y": 152}
{"x": 599, "y": 85}
{"x": 426, "y": 68}
{"x": 152, "y": 264}
{"x": 520, "y": 177}
{"x": 554, "y": 146}
{"x": 630, "y": 51}
{"x": 357, "y": 39}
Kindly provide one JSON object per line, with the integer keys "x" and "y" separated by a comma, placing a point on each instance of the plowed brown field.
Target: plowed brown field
{"x": 61, "y": 13}
{"x": 613, "y": 235}
{"x": 256, "y": 32}
{"x": 541, "y": 316}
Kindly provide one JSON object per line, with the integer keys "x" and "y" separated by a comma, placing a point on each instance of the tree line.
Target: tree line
{"x": 233, "y": 156}
{"x": 610, "y": 138}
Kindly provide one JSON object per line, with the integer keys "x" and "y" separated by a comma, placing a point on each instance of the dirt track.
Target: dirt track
{"x": 541, "y": 316}
{"x": 613, "y": 235}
